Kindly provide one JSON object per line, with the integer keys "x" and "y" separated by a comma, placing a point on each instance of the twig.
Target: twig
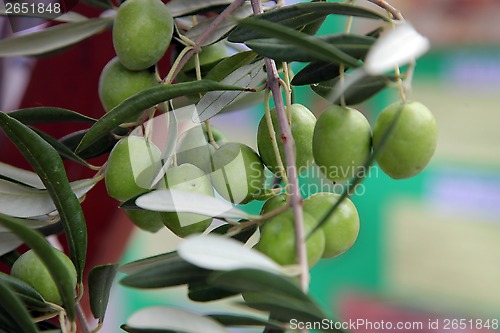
{"x": 199, "y": 41}
{"x": 81, "y": 318}
{"x": 396, "y": 14}
{"x": 288, "y": 144}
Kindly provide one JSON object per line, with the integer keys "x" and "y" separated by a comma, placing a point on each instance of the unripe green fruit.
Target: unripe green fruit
{"x": 277, "y": 239}
{"x": 146, "y": 220}
{"x": 187, "y": 177}
{"x": 132, "y": 167}
{"x": 274, "y": 203}
{"x": 29, "y": 268}
{"x": 238, "y": 173}
{"x": 142, "y": 32}
{"x": 341, "y": 143}
{"x": 117, "y": 83}
{"x": 302, "y": 127}
{"x": 342, "y": 227}
{"x": 412, "y": 142}
{"x": 194, "y": 148}
{"x": 209, "y": 54}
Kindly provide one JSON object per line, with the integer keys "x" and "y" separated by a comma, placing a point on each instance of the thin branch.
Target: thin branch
{"x": 396, "y": 14}
{"x": 81, "y": 318}
{"x": 201, "y": 39}
{"x": 289, "y": 145}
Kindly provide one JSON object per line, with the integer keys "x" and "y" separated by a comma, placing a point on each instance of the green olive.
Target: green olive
{"x": 132, "y": 167}
{"x": 142, "y": 32}
{"x": 146, "y": 220}
{"x": 341, "y": 228}
{"x": 341, "y": 143}
{"x": 302, "y": 127}
{"x": 277, "y": 239}
{"x": 194, "y": 148}
{"x": 117, "y": 83}
{"x": 411, "y": 143}
{"x": 30, "y": 268}
{"x": 274, "y": 203}
{"x": 238, "y": 173}
{"x": 209, "y": 54}
{"x": 187, "y": 177}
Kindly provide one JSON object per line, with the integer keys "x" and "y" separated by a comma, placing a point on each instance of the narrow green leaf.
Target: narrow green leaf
{"x": 160, "y": 319}
{"x": 62, "y": 149}
{"x": 99, "y": 148}
{"x": 357, "y": 93}
{"x": 315, "y": 46}
{"x": 200, "y": 291}
{"x": 214, "y": 102}
{"x": 248, "y": 280}
{"x": 285, "y": 309}
{"x": 231, "y": 64}
{"x": 222, "y": 29}
{"x": 105, "y": 4}
{"x": 25, "y": 292}
{"x": 51, "y": 260}
{"x": 20, "y": 176}
{"x": 145, "y": 263}
{"x": 100, "y": 282}
{"x": 233, "y": 320}
{"x": 14, "y": 310}
{"x": 302, "y": 14}
{"x": 176, "y": 272}
{"x": 48, "y": 165}
{"x": 182, "y": 7}
{"x": 316, "y": 72}
{"x": 53, "y": 38}
{"x": 356, "y": 46}
{"x": 44, "y": 114}
{"x": 136, "y": 104}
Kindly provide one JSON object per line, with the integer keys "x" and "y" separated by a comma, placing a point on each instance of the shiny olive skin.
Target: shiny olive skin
{"x": 30, "y": 268}
{"x": 142, "y": 32}
{"x": 118, "y": 83}
{"x": 302, "y": 127}
{"x": 277, "y": 239}
{"x": 341, "y": 228}
{"x": 238, "y": 173}
{"x": 411, "y": 143}
{"x": 341, "y": 142}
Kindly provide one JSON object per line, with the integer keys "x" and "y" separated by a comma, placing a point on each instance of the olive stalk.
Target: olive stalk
{"x": 199, "y": 41}
{"x": 288, "y": 145}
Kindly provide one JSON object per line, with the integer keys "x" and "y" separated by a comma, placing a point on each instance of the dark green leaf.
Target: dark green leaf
{"x": 244, "y": 280}
{"x": 174, "y": 273}
{"x": 142, "y": 264}
{"x": 99, "y": 148}
{"x": 25, "y": 292}
{"x": 315, "y": 46}
{"x": 14, "y": 311}
{"x": 356, "y": 46}
{"x": 182, "y": 7}
{"x": 232, "y": 320}
{"x": 302, "y": 14}
{"x": 51, "y": 260}
{"x": 200, "y": 291}
{"x": 48, "y": 165}
{"x": 62, "y": 149}
{"x": 100, "y": 282}
{"x": 230, "y": 64}
{"x": 358, "y": 92}
{"x": 105, "y": 4}
{"x": 145, "y": 330}
{"x": 10, "y": 258}
{"x": 133, "y": 106}
{"x": 243, "y": 236}
{"x": 53, "y": 38}
{"x": 41, "y": 115}
{"x": 316, "y": 72}
{"x": 283, "y": 308}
